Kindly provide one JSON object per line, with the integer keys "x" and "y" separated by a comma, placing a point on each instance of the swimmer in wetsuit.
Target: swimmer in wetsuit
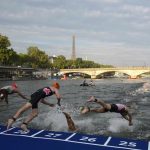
{"x": 36, "y": 97}
{"x": 118, "y": 108}
{"x": 8, "y": 90}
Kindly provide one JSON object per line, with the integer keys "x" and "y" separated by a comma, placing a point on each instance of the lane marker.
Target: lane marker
{"x": 70, "y": 136}
{"x": 7, "y": 130}
{"x": 107, "y": 141}
{"x": 37, "y": 133}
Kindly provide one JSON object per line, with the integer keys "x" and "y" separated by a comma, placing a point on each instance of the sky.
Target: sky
{"x": 113, "y": 32}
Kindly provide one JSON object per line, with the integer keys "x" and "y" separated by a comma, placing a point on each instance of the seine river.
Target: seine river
{"x": 134, "y": 93}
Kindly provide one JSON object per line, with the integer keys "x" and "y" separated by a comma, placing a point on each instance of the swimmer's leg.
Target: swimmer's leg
{"x": 99, "y": 110}
{"x": 18, "y": 113}
{"x": 128, "y": 117}
{"x": 101, "y": 102}
{"x": 24, "y": 127}
{"x": 33, "y": 114}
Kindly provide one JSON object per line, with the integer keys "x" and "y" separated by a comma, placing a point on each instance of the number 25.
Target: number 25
{"x": 124, "y": 143}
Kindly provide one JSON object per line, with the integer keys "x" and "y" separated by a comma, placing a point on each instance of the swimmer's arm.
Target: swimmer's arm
{"x": 58, "y": 97}
{"x": 20, "y": 94}
{"x": 46, "y": 103}
{"x": 6, "y": 98}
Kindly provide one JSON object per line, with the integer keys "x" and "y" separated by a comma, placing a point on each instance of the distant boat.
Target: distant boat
{"x": 84, "y": 84}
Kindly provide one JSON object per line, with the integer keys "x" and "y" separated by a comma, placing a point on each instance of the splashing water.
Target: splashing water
{"x": 52, "y": 121}
{"x": 145, "y": 88}
{"x": 84, "y": 125}
{"x": 118, "y": 125}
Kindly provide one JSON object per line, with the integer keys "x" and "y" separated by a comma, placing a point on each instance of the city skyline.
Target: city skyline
{"x": 113, "y": 32}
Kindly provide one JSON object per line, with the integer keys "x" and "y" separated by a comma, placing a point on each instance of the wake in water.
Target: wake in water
{"x": 140, "y": 95}
{"x": 144, "y": 89}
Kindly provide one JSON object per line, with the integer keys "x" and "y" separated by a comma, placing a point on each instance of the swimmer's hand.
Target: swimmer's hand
{"x": 92, "y": 99}
{"x": 51, "y": 105}
{"x": 130, "y": 123}
{"x": 61, "y": 108}
{"x": 58, "y": 103}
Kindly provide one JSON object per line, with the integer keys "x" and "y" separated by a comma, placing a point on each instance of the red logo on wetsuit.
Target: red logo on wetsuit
{"x": 47, "y": 91}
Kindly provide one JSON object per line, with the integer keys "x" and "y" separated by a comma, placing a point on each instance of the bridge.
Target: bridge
{"x": 132, "y": 72}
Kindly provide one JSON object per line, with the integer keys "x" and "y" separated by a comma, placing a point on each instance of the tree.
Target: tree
{"x": 60, "y": 62}
{"x": 38, "y": 58}
{"x": 7, "y": 55}
{"x": 24, "y": 60}
{"x": 4, "y": 42}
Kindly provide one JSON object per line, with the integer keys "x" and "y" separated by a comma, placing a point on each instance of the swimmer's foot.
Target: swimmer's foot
{"x": 24, "y": 127}
{"x": 130, "y": 123}
{"x": 92, "y": 99}
{"x": 10, "y": 122}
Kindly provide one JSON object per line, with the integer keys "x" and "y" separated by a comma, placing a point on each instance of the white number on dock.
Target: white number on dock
{"x": 124, "y": 143}
{"x": 87, "y": 139}
{"x": 53, "y": 135}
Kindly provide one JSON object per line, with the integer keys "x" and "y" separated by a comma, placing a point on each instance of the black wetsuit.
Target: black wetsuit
{"x": 114, "y": 108}
{"x": 4, "y": 93}
{"x": 39, "y": 94}
{"x": 7, "y": 90}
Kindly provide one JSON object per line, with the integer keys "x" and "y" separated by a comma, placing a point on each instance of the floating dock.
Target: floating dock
{"x": 14, "y": 139}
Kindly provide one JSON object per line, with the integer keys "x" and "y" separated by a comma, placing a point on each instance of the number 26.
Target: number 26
{"x": 84, "y": 138}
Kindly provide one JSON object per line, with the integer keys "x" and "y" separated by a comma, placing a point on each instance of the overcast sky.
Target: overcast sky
{"x": 115, "y": 32}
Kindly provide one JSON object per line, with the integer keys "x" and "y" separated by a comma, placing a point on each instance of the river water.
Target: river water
{"x": 134, "y": 93}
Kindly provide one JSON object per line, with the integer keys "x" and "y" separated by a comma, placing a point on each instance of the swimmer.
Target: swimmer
{"x": 36, "y": 97}
{"x": 84, "y": 83}
{"x": 146, "y": 87}
{"x": 8, "y": 90}
{"x": 91, "y": 83}
{"x": 71, "y": 125}
{"x": 118, "y": 108}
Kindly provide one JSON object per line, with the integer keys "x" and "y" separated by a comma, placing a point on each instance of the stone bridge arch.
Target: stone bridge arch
{"x": 109, "y": 71}
{"x": 70, "y": 72}
{"x": 133, "y": 72}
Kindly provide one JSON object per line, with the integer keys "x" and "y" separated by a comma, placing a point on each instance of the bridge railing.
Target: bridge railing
{"x": 117, "y": 68}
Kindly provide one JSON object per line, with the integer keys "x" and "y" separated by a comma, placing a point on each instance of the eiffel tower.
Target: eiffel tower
{"x": 73, "y": 57}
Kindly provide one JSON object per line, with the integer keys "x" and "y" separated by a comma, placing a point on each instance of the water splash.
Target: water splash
{"x": 144, "y": 89}
{"x": 119, "y": 125}
{"x": 85, "y": 125}
{"x": 52, "y": 121}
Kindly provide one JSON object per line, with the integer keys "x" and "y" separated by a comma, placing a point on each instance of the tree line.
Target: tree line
{"x": 37, "y": 58}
